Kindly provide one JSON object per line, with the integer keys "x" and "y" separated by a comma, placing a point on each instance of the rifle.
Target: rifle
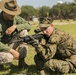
{"x": 29, "y": 38}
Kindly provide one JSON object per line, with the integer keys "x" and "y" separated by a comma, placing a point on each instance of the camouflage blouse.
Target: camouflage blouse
{"x": 59, "y": 45}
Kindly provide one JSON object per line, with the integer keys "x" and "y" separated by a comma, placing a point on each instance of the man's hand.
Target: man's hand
{"x": 14, "y": 53}
{"x": 10, "y": 30}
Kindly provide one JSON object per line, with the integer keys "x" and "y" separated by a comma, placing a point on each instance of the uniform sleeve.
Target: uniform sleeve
{"x": 4, "y": 47}
{"x": 46, "y": 52}
{"x": 21, "y": 24}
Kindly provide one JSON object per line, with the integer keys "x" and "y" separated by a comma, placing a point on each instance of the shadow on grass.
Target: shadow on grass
{"x": 31, "y": 70}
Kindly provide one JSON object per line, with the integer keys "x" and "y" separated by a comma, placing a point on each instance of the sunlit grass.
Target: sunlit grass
{"x": 71, "y": 29}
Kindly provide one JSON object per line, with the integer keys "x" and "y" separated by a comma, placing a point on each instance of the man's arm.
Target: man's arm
{"x": 5, "y": 48}
{"x": 10, "y": 30}
{"x": 46, "y": 52}
{"x": 21, "y": 23}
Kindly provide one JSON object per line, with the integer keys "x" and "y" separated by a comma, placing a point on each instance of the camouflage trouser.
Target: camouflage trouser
{"x": 54, "y": 65}
{"x": 7, "y": 57}
{"x": 58, "y": 66}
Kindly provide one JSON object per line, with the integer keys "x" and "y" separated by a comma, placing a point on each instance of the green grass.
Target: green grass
{"x": 71, "y": 29}
{"x": 12, "y": 69}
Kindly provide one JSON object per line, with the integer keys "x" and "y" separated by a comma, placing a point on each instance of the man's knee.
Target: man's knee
{"x": 39, "y": 62}
{"x": 23, "y": 33}
{"x": 58, "y": 66}
{"x": 23, "y": 50}
{"x": 5, "y": 58}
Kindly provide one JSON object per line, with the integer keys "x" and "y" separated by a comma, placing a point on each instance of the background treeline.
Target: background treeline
{"x": 59, "y": 11}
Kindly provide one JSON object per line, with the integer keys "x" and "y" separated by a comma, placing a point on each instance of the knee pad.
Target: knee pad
{"x": 23, "y": 51}
{"x": 23, "y": 33}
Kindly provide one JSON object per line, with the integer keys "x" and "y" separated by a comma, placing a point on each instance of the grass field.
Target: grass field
{"x": 12, "y": 69}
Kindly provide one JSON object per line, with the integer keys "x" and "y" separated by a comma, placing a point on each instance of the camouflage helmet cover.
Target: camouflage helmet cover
{"x": 44, "y": 22}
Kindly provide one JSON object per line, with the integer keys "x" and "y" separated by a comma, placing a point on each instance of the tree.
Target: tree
{"x": 28, "y": 11}
{"x": 43, "y": 11}
{"x": 75, "y": 1}
{"x": 73, "y": 11}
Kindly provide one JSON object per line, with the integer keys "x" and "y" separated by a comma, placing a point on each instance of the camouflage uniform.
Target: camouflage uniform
{"x": 58, "y": 53}
{"x": 6, "y": 40}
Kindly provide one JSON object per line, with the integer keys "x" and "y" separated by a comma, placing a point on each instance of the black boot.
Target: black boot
{"x": 21, "y": 62}
{"x": 1, "y": 67}
{"x": 25, "y": 65}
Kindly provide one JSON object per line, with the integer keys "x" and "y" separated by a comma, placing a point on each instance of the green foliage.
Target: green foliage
{"x": 75, "y": 1}
{"x": 58, "y": 11}
{"x": 43, "y": 11}
{"x": 28, "y": 11}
